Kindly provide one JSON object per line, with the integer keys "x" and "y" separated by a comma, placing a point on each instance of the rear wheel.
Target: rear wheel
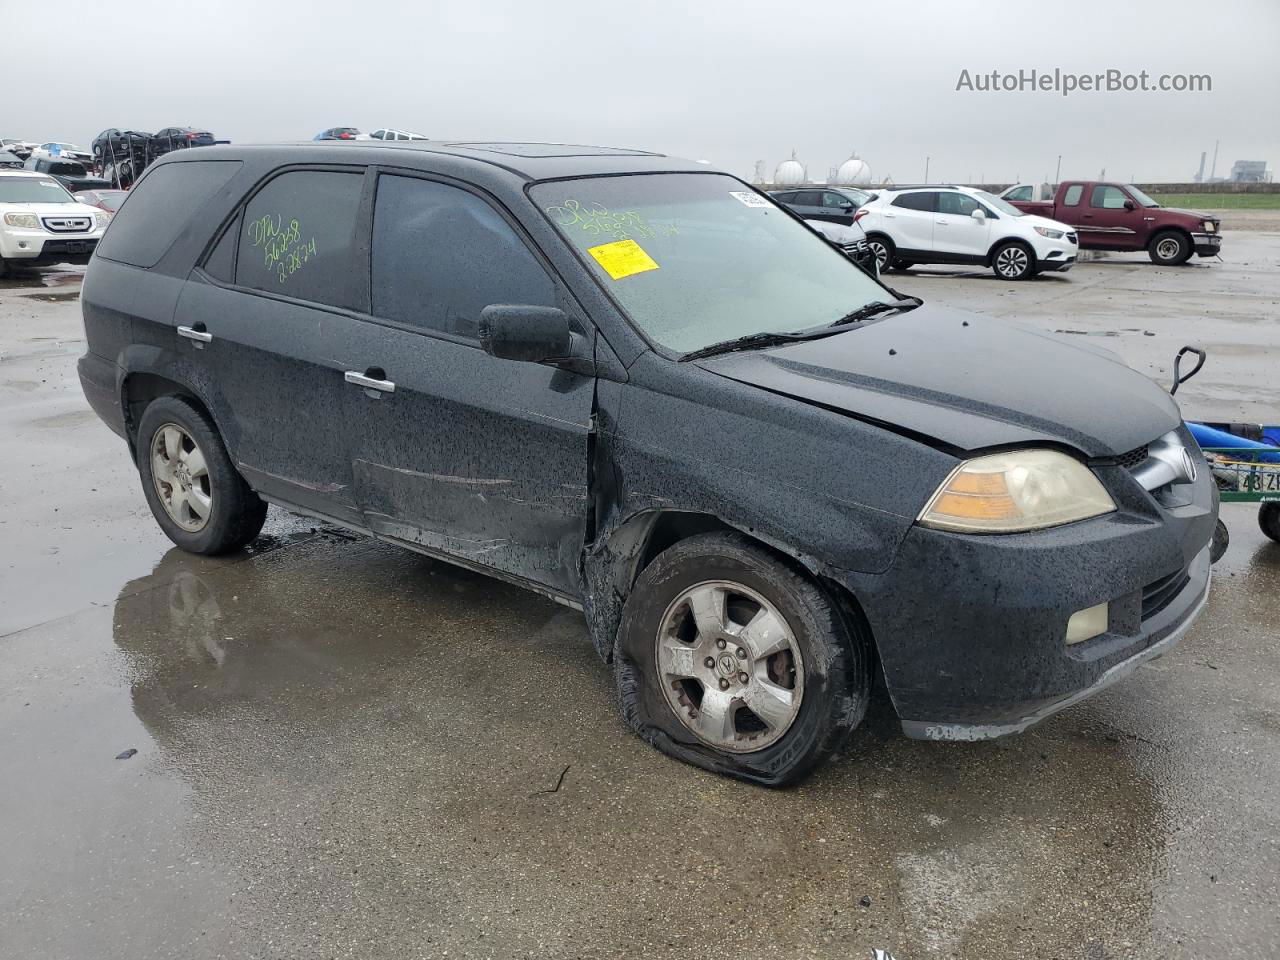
{"x": 729, "y": 659}
{"x": 1269, "y": 520}
{"x": 882, "y": 249}
{"x": 1169, "y": 248}
{"x": 1013, "y": 261}
{"x": 195, "y": 493}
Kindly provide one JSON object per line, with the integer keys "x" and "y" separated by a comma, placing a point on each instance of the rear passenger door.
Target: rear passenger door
{"x": 268, "y": 315}
{"x": 909, "y": 221}
{"x": 481, "y": 459}
{"x": 808, "y": 204}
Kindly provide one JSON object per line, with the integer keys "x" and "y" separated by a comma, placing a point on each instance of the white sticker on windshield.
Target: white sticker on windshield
{"x": 750, "y": 199}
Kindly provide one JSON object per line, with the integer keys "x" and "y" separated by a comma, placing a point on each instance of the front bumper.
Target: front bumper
{"x": 971, "y": 630}
{"x": 1055, "y": 255}
{"x": 1206, "y": 244}
{"x": 32, "y": 247}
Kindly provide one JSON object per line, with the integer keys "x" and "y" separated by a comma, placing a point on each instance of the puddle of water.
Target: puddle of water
{"x": 53, "y": 297}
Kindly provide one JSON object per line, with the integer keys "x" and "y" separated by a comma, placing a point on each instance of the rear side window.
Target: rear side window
{"x": 1072, "y": 197}
{"x": 441, "y": 255}
{"x": 808, "y": 198}
{"x": 916, "y": 201}
{"x": 159, "y": 207}
{"x": 297, "y": 235}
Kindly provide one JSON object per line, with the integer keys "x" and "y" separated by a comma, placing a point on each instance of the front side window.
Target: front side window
{"x": 695, "y": 259}
{"x": 956, "y": 203}
{"x": 297, "y": 235}
{"x": 1107, "y": 198}
{"x": 441, "y": 255}
{"x": 1072, "y": 197}
{"x": 1019, "y": 193}
{"x": 834, "y": 200}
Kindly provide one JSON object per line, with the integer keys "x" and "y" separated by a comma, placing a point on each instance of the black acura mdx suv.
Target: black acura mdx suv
{"x": 640, "y": 387}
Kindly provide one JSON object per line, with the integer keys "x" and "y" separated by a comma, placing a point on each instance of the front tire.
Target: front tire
{"x": 731, "y": 660}
{"x": 195, "y": 492}
{"x": 1013, "y": 261}
{"x": 1269, "y": 520}
{"x": 1169, "y": 248}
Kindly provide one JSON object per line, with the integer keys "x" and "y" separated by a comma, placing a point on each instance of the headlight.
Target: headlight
{"x": 100, "y": 220}
{"x": 28, "y": 220}
{"x": 1210, "y": 227}
{"x": 1051, "y": 234}
{"x": 1018, "y": 490}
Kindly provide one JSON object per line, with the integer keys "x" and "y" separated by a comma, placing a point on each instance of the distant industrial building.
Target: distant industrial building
{"x": 1250, "y": 171}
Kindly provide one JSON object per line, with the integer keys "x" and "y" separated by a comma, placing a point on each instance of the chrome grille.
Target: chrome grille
{"x": 67, "y": 224}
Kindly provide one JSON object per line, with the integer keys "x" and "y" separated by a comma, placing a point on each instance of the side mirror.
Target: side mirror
{"x": 979, "y": 214}
{"x": 528, "y": 333}
{"x": 1130, "y": 205}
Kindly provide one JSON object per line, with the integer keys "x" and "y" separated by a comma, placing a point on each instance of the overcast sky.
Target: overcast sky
{"x": 731, "y": 82}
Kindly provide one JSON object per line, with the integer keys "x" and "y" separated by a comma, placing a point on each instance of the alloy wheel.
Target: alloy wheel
{"x": 181, "y": 477}
{"x": 881, "y": 253}
{"x": 730, "y": 666}
{"x": 1012, "y": 262}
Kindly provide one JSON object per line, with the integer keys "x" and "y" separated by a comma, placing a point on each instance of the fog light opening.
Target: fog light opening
{"x": 1087, "y": 624}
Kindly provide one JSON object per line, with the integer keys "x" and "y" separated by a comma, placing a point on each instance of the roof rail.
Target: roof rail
{"x": 920, "y": 186}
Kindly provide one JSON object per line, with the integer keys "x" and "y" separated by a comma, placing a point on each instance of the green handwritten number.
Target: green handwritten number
{"x": 596, "y": 219}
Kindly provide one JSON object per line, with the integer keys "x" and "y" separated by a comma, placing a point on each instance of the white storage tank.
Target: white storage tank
{"x": 854, "y": 172}
{"x": 790, "y": 173}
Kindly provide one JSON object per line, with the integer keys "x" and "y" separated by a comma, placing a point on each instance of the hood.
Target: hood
{"x": 965, "y": 382}
{"x": 1192, "y": 214}
{"x": 1034, "y": 220}
{"x": 77, "y": 209}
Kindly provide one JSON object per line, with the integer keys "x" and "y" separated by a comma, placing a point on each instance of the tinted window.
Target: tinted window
{"x": 1072, "y": 197}
{"x": 1019, "y": 193}
{"x": 809, "y": 198}
{"x": 441, "y": 255}
{"x": 159, "y": 207}
{"x": 785, "y": 197}
{"x": 297, "y": 236}
{"x": 1108, "y": 198}
{"x": 916, "y": 201}
{"x": 956, "y": 203}
{"x": 222, "y": 260}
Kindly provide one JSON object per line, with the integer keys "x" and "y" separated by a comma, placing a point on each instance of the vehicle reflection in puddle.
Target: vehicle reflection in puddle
{"x": 369, "y": 712}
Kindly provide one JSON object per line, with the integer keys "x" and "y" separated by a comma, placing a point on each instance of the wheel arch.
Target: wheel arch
{"x": 1171, "y": 228}
{"x": 615, "y": 563}
{"x": 148, "y": 374}
{"x": 1021, "y": 241}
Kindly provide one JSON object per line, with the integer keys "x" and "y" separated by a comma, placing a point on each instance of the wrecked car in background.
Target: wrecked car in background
{"x": 637, "y": 386}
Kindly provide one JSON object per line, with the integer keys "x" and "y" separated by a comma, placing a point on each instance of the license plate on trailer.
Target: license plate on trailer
{"x": 1249, "y": 478}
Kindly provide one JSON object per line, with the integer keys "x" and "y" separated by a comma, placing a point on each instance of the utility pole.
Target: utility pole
{"x": 1057, "y": 174}
{"x": 926, "y": 169}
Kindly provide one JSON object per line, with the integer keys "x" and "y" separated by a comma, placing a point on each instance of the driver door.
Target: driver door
{"x": 956, "y": 231}
{"x": 1105, "y": 219}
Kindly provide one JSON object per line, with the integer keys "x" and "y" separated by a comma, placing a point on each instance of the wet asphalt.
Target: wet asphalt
{"x": 347, "y": 750}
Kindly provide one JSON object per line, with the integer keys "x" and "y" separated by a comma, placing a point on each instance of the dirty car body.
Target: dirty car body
{"x": 347, "y": 393}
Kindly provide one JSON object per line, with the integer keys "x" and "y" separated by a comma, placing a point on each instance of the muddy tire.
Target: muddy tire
{"x": 1013, "y": 261}
{"x": 882, "y": 249}
{"x": 195, "y": 492}
{"x": 1169, "y": 248}
{"x": 1269, "y": 520}
{"x": 732, "y": 660}
{"x": 1220, "y": 542}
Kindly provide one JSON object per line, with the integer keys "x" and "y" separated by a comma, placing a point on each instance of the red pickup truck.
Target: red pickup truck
{"x": 1119, "y": 216}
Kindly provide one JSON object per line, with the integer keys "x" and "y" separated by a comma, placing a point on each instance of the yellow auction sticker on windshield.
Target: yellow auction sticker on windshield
{"x": 622, "y": 258}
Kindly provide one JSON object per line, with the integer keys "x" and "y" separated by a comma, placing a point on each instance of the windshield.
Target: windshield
{"x": 33, "y": 190}
{"x": 1141, "y": 197}
{"x": 697, "y": 259}
{"x": 1000, "y": 206}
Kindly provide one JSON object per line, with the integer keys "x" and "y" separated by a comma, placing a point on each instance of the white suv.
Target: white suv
{"x": 40, "y": 222}
{"x": 910, "y": 225}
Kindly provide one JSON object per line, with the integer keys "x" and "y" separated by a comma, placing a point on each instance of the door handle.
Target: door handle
{"x": 368, "y": 382}
{"x": 941, "y": 223}
{"x": 199, "y": 335}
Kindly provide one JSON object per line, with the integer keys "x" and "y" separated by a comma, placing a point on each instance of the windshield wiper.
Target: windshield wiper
{"x": 877, "y": 307}
{"x": 751, "y": 341}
